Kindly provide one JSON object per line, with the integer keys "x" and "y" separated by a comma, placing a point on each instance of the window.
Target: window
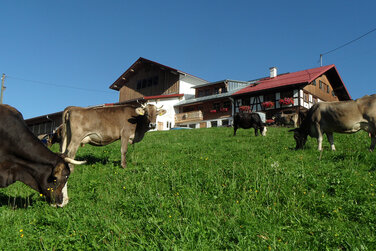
{"x": 305, "y": 97}
{"x": 192, "y": 125}
{"x": 155, "y": 80}
{"x": 200, "y": 93}
{"x": 139, "y": 85}
{"x": 327, "y": 89}
{"x": 269, "y": 97}
{"x": 333, "y": 94}
{"x": 320, "y": 84}
{"x": 314, "y": 82}
{"x": 287, "y": 94}
{"x": 207, "y": 92}
{"x": 314, "y": 100}
{"x": 216, "y": 106}
{"x": 150, "y": 82}
{"x": 225, "y": 122}
{"x": 144, "y": 82}
{"x": 214, "y": 123}
{"x": 227, "y": 104}
{"x": 216, "y": 90}
{"x": 246, "y": 101}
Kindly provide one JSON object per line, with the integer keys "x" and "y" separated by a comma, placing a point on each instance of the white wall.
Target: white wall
{"x": 187, "y": 82}
{"x": 169, "y": 116}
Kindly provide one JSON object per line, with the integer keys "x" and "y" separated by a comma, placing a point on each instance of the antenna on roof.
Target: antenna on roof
{"x": 320, "y": 59}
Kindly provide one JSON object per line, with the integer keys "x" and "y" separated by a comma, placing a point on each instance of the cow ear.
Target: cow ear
{"x": 162, "y": 112}
{"x": 140, "y": 111}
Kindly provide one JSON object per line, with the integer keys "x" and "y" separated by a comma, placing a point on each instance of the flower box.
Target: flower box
{"x": 267, "y": 104}
{"x": 286, "y": 101}
{"x": 244, "y": 108}
{"x": 224, "y": 109}
{"x": 213, "y": 111}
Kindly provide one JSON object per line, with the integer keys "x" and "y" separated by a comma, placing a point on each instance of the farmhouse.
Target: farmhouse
{"x": 158, "y": 84}
{"x": 292, "y": 92}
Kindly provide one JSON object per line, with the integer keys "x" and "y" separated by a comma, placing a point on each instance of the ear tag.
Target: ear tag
{"x": 140, "y": 111}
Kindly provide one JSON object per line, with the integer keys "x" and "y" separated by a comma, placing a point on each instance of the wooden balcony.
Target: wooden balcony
{"x": 188, "y": 116}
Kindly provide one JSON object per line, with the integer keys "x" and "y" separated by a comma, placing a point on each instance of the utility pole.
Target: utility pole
{"x": 2, "y": 88}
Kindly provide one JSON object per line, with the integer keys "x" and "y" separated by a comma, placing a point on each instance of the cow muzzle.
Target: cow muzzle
{"x": 152, "y": 126}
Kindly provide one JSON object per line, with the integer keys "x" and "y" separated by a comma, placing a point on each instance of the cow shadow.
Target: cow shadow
{"x": 104, "y": 160}
{"x": 90, "y": 159}
{"x": 16, "y": 202}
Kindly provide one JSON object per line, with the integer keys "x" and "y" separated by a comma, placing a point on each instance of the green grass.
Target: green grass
{"x": 205, "y": 189}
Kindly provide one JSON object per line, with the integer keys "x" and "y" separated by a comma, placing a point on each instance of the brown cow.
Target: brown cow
{"x": 25, "y": 158}
{"x": 342, "y": 117}
{"x": 101, "y": 126}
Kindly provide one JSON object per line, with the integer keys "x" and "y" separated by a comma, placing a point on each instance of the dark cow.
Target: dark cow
{"x": 55, "y": 137}
{"x": 342, "y": 117}
{"x": 249, "y": 120}
{"x": 101, "y": 126}
{"x": 24, "y": 158}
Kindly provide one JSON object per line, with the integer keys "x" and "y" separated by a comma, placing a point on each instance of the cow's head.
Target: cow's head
{"x": 300, "y": 137}
{"x": 151, "y": 112}
{"x": 55, "y": 189}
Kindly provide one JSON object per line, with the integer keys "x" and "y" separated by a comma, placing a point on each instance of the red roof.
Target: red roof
{"x": 163, "y": 96}
{"x": 299, "y": 77}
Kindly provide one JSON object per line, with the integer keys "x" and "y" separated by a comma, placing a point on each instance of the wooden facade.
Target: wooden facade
{"x": 149, "y": 82}
{"x": 147, "y": 78}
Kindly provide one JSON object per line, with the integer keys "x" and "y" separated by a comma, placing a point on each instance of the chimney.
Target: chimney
{"x": 273, "y": 72}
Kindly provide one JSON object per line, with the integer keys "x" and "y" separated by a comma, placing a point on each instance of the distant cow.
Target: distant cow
{"x": 283, "y": 119}
{"x": 247, "y": 121}
{"x": 101, "y": 126}
{"x": 24, "y": 158}
{"x": 342, "y": 117}
{"x": 55, "y": 137}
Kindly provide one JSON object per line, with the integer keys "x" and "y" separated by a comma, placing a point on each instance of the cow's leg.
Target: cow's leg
{"x": 124, "y": 149}
{"x": 319, "y": 136}
{"x": 329, "y": 135}
{"x": 373, "y": 142}
{"x": 264, "y": 131}
{"x": 71, "y": 151}
{"x": 256, "y": 130}
{"x": 235, "y": 129}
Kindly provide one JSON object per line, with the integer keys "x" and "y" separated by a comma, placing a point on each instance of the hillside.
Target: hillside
{"x": 205, "y": 189}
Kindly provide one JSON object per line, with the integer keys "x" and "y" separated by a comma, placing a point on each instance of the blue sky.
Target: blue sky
{"x": 87, "y": 45}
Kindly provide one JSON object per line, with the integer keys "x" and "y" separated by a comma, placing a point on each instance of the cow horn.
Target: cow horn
{"x": 74, "y": 162}
{"x": 158, "y": 108}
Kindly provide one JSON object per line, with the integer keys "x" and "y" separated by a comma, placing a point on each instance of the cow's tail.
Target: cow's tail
{"x": 65, "y": 130}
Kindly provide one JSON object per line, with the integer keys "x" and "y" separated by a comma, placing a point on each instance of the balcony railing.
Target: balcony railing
{"x": 188, "y": 116}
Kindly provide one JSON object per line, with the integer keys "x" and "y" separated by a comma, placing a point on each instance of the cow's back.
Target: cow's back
{"x": 106, "y": 120}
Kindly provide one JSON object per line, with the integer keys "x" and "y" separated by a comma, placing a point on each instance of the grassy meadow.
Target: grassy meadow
{"x": 204, "y": 189}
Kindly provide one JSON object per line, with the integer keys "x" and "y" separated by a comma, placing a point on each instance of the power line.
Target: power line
{"x": 352, "y": 41}
{"x": 57, "y": 85}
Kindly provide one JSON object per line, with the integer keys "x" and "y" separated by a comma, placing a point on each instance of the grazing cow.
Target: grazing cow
{"x": 249, "y": 120}
{"x": 342, "y": 117}
{"x": 101, "y": 126}
{"x": 24, "y": 158}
